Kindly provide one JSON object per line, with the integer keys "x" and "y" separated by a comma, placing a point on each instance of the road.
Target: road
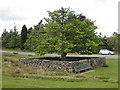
{"x": 107, "y": 56}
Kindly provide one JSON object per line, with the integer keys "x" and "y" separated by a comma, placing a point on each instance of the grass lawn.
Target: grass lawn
{"x": 15, "y": 82}
{"x": 103, "y": 77}
{"x": 16, "y": 50}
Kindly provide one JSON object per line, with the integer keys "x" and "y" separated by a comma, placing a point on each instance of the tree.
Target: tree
{"x": 38, "y": 26}
{"x": 5, "y": 38}
{"x": 106, "y": 43}
{"x": 10, "y": 39}
{"x": 13, "y": 42}
{"x": 113, "y": 41}
{"x": 29, "y": 30}
{"x": 32, "y": 36}
{"x": 23, "y": 36}
{"x": 64, "y": 32}
{"x": 0, "y": 43}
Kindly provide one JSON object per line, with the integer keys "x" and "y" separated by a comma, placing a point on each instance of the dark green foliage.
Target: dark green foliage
{"x": 111, "y": 43}
{"x": 114, "y": 41}
{"x": 29, "y": 30}
{"x": 23, "y": 36}
{"x": 38, "y": 26}
{"x": 13, "y": 43}
{"x": 10, "y": 39}
{"x": 5, "y": 38}
{"x": 33, "y": 35}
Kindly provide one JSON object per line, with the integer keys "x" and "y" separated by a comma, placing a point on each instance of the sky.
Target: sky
{"x": 30, "y": 12}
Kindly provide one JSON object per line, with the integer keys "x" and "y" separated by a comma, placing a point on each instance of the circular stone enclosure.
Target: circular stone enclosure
{"x": 71, "y": 64}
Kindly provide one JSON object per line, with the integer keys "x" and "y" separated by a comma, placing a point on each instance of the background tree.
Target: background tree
{"x": 113, "y": 41}
{"x": 29, "y": 30}
{"x": 65, "y": 32}
{"x": 0, "y": 43}
{"x": 38, "y": 26}
{"x": 5, "y": 38}
{"x": 23, "y": 36}
{"x": 33, "y": 35}
{"x": 110, "y": 43}
{"x": 10, "y": 39}
{"x": 106, "y": 43}
{"x": 13, "y": 42}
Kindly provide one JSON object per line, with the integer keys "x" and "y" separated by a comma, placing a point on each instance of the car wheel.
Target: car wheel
{"x": 109, "y": 53}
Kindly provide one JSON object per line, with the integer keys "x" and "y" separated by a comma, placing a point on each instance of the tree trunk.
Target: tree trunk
{"x": 63, "y": 56}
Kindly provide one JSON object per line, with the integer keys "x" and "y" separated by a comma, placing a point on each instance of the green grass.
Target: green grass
{"x": 15, "y": 82}
{"x": 18, "y": 56}
{"x": 103, "y": 77}
{"x": 16, "y": 50}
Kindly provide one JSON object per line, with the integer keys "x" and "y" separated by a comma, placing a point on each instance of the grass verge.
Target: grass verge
{"x": 16, "y": 75}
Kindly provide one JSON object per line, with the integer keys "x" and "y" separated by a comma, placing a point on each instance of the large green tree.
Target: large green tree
{"x": 64, "y": 32}
{"x": 23, "y": 36}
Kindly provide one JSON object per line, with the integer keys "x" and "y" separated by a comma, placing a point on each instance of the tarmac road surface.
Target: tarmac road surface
{"x": 107, "y": 56}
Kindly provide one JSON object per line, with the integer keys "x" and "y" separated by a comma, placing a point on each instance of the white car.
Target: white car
{"x": 105, "y": 51}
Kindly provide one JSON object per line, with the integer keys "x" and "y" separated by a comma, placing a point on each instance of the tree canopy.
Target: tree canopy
{"x": 111, "y": 43}
{"x": 10, "y": 39}
{"x": 64, "y": 32}
{"x": 23, "y": 36}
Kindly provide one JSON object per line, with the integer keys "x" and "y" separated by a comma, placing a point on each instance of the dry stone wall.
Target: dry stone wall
{"x": 55, "y": 64}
